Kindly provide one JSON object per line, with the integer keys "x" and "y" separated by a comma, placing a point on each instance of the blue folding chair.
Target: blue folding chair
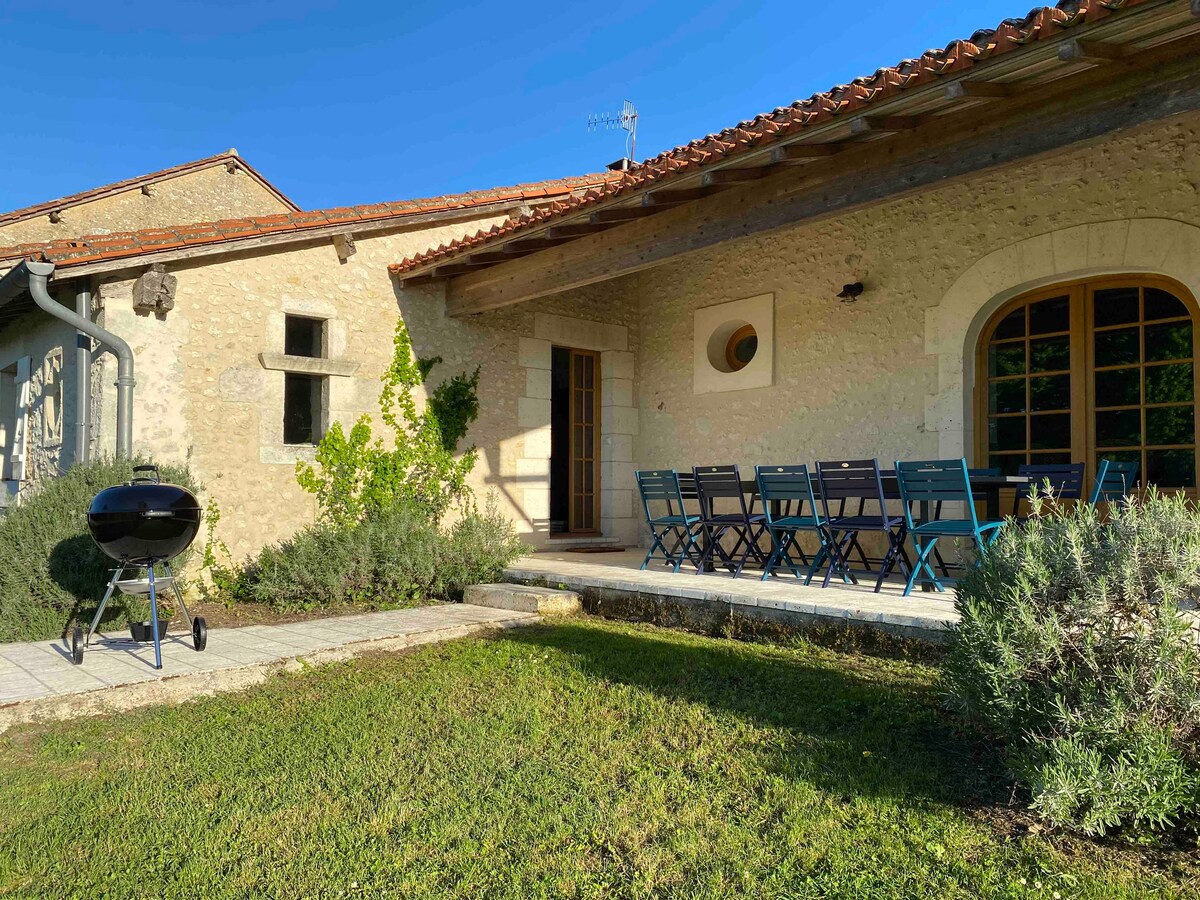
{"x": 660, "y": 489}
{"x": 1114, "y": 480}
{"x": 724, "y": 483}
{"x": 937, "y": 482}
{"x": 858, "y": 482}
{"x": 1062, "y": 481}
{"x": 784, "y": 491}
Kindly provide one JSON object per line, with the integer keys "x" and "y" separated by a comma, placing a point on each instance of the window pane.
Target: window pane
{"x": 1122, "y": 428}
{"x": 1051, "y": 315}
{"x": 1169, "y": 384}
{"x": 1006, "y": 359}
{"x": 1050, "y": 355}
{"x": 1170, "y": 425}
{"x": 1119, "y": 387}
{"x": 1172, "y": 341}
{"x": 1050, "y": 432}
{"x": 1116, "y": 306}
{"x": 1007, "y": 464}
{"x": 1007, "y": 433}
{"x": 1051, "y": 392}
{"x": 1011, "y": 326}
{"x": 1046, "y": 459}
{"x": 1117, "y": 348}
{"x": 1162, "y": 305}
{"x": 1007, "y": 396}
{"x": 1171, "y": 468}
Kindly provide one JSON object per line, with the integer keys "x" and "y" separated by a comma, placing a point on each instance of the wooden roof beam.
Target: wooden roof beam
{"x": 621, "y": 214}
{"x": 978, "y": 90}
{"x": 1093, "y": 52}
{"x": 666, "y": 197}
{"x": 573, "y": 230}
{"x": 883, "y": 124}
{"x": 802, "y": 153}
{"x": 725, "y": 177}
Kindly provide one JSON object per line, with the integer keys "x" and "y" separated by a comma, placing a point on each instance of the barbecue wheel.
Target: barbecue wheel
{"x": 77, "y": 646}
{"x": 199, "y": 633}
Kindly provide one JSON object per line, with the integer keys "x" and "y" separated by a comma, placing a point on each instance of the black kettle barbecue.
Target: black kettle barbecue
{"x": 142, "y": 524}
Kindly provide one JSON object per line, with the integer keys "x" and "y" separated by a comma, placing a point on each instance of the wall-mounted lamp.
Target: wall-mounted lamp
{"x": 851, "y": 292}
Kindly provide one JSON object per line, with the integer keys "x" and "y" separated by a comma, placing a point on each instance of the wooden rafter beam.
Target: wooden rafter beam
{"x": 620, "y": 214}
{"x": 978, "y": 90}
{"x": 668, "y": 197}
{"x": 574, "y": 230}
{"x": 802, "y": 153}
{"x": 528, "y": 245}
{"x": 723, "y": 177}
{"x": 883, "y": 124}
{"x": 1076, "y": 50}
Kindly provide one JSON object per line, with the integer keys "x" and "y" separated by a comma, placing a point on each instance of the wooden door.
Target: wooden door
{"x": 584, "y": 445}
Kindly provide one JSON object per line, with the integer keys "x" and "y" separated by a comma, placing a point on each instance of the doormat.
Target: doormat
{"x": 592, "y": 550}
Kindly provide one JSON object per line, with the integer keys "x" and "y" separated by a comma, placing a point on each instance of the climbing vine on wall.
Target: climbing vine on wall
{"x": 358, "y": 472}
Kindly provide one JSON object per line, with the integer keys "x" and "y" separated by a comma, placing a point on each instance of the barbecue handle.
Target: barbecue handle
{"x": 158, "y": 514}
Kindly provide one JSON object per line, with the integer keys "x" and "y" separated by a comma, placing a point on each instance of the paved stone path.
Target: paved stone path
{"x": 39, "y": 670}
{"x": 920, "y": 614}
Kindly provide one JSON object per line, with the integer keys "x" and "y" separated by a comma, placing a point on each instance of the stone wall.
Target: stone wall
{"x": 203, "y": 395}
{"x": 200, "y": 196}
{"x": 891, "y": 376}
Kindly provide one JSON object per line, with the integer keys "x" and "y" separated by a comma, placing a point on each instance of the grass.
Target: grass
{"x": 585, "y": 759}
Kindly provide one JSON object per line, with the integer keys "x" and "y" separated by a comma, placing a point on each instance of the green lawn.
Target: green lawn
{"x": 581, "y": 760}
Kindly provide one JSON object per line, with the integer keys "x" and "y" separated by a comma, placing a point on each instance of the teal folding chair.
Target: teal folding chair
{"x": 1114, "y": 480}
{"x": 931, "y": 483}
{"x": 668, "y": 521}
{"x": 790, "y": 508}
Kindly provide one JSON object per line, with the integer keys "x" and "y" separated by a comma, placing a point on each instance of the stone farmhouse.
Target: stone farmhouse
{"x": 1017, "y": 214}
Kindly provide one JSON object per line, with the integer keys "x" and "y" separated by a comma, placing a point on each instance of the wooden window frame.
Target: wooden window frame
{"x": 731, "y": 360}
{"x": 1081, "y": 334}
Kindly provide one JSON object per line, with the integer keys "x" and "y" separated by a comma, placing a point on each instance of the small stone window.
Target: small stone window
{"x": 304, "y": 395}
{"x": 304, "y": 336}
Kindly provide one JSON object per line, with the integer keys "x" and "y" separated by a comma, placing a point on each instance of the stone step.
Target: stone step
{"x": 524, "y": 598}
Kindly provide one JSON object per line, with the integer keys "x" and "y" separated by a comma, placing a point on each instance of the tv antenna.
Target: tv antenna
{"x": 626, "y": 120}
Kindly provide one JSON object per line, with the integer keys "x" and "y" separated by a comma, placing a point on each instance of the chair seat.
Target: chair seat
{"x": 675, "y": 520}
{"x": 788, "y": 522}
{"x": 863, "y": 523}
{"x": 953, "y": 527}
{"x": 735, "y": 519}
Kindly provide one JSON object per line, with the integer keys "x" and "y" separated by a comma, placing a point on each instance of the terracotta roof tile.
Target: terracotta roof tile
{"x": 92, "y": 248}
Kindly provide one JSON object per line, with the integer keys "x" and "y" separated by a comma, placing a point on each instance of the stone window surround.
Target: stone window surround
{"x": 618, "y": 420}
{"x": 713, "y": 326}
{"x": 1154, "y": 246}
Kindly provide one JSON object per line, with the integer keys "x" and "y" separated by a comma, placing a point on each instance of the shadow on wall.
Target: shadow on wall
{"x": 849, "y": 732}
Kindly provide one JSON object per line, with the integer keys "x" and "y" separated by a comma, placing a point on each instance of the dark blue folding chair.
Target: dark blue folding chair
{"x": 1061, "y": 481}
{"x": 848, "y": 484}
{"x": 937, "y": 482}
{"x": 722, "y": 485}
{"x": 790, "y": 508}
{"x": 667, "y": 520}
{"x": 1114, "y": 480}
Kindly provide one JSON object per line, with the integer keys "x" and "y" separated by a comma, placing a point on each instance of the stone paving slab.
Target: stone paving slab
{"x": 43, "y": 671}
{"x": 921, "y": 614}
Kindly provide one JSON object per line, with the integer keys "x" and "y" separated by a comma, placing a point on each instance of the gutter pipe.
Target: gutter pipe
{"x": 83, "y": 377}
{"x": 32, "y": 277}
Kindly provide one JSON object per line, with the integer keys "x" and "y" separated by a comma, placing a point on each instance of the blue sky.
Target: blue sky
{"x": 373, "y": 101}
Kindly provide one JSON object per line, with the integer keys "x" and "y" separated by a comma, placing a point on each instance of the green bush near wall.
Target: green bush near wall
{"x": 1079, "y": 649}
{"x": 51, "y": 571}
{"x": 396, "y": 556}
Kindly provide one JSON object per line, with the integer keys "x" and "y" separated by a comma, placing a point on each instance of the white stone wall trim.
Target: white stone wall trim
{"x": 309, "y": 365}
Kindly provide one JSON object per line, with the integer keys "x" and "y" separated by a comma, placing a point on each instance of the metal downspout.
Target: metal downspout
{"x": 83, "y": 378}
{"x": 33, "y": 276}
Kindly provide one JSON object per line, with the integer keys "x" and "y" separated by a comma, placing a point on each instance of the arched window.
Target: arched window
{"x": 1090, "y": 370}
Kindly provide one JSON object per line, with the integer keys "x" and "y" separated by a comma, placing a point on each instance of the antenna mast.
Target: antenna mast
{"x": 626, "y": 120}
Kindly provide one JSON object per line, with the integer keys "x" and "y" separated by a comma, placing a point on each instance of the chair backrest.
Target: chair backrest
{"x": 1114, "y": 480}
{"x": 660, "y": 486}
{"x": 718, "y": 482}
{"x": 851, "y": 479}
{"x": 935, "y": 481}
{"x": 785, "y": 485}
{"x": 1065, "y": 480}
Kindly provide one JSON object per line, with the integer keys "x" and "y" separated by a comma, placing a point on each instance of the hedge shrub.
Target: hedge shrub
{"x": 51, "y": 571}
{"x": 394, "y": 557}
{"x": 1079, "y": 649}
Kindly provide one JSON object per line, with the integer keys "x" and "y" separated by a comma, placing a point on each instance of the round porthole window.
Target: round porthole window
{"x": 741, "y": 347}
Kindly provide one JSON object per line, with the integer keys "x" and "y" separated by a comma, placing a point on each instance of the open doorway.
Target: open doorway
{"x": 574, "y": 441}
